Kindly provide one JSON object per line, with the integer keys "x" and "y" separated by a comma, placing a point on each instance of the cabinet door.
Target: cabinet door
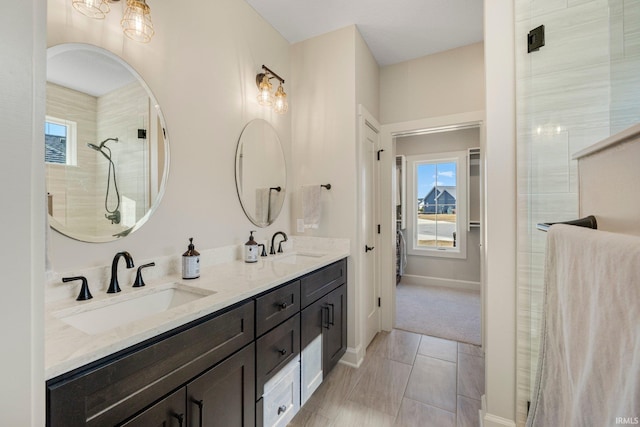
{"x": 313, "y": 320}
{"x": 334, "y": 341}
{"x": 225, "y": 395}
{"x": 169, "y": 412}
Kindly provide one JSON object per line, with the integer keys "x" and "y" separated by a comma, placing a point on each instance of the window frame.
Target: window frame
{"x": 460, "y": 158}
{"x": 71, "y": 158}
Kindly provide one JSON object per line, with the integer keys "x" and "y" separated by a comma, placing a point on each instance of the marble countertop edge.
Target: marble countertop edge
{"x": 68, "y": 348}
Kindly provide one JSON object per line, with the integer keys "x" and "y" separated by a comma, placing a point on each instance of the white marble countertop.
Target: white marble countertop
{"x": 68, "y": 348}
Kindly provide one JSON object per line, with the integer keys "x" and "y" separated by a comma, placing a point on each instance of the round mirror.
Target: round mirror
{"x": 261, "y": 174}
{"x": 106, "y": 147}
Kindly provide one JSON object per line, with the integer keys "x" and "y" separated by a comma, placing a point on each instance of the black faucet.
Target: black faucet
{"x": 273, "y": 249}
{"x": 114, "y": 287}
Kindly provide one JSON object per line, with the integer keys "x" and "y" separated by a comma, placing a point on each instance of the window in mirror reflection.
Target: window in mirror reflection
{"x": 59, "y": 141}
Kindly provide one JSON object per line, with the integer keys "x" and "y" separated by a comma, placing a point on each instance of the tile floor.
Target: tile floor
{"x": 406, "y": 380}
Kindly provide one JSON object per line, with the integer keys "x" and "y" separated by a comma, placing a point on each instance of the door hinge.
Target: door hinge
{"x": 378, "y": 301}
{"x": 378, "y": 228}
{"x": 379, "y": 151}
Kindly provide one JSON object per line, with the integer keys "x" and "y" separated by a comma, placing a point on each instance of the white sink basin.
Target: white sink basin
{"x": 295, "y": 257}
{"x": 100, "y": 316}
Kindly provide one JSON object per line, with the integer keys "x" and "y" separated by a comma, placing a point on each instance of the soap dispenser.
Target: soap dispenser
{"x": 191, "y": 262}
{"x": 251, "y": 249}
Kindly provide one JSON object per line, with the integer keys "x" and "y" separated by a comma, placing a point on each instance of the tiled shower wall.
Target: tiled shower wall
{"x": 581, "y": 87}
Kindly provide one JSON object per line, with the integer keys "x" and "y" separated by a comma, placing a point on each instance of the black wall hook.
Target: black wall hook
{"x": 327, "y": 186}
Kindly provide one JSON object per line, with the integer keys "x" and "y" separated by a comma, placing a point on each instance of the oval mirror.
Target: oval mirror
{"x": 106, "y": 147}
{"x": 261, "y": 174}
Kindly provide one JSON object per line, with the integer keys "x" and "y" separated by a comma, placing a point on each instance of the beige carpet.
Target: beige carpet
{"x": 453, "y": 314}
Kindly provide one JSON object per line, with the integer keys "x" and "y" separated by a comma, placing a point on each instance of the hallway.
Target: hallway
{"x": 406, "y": 379}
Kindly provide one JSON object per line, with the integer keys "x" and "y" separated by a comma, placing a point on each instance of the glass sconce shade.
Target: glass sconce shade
{"x": 96, "y": 9}
{"x": 280, "y": 105}
{"x": 136, "y": 21}
{"x": 264, "y": 92}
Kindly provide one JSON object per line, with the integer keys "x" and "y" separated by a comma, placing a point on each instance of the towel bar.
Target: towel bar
{"x": 587, "y": 221}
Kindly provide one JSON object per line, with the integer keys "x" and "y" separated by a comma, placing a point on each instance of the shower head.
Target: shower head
{"x": 99, "y": 147}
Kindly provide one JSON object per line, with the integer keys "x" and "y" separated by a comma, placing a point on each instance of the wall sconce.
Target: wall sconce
{"x": 277, "y": 101}
{"x": 136, "y": 20}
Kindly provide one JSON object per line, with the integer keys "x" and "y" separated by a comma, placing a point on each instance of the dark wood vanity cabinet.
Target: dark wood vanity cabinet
{"x": 327, "y": 317}
{"x": 323, "y": 324}
{"x": 217, "y": 370}
{"x": 110, "y": 391}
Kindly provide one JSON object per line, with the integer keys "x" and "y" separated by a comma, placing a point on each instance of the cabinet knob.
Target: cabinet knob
{"x": 283, "y": 305}
{"x": 282, "y": 351}
{"x": 282, "y": 409}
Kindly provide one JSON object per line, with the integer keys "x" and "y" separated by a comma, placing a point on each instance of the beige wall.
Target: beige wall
{"x": 450, "y": 269}
{"x": 201, "y": 68}
{"x": 326, "y": 94}
{"x": 442, "y": 84}
{"x": 22, "y": 111}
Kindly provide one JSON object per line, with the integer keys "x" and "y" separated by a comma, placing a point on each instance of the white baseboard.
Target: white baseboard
{"x": 439, "y": 281}
{"x": 353, "y": 357}
{"x": 490, "y": 420}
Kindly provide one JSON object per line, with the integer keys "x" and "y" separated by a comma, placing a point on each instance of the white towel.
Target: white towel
{"x": 276, "y": 199}
{"x": 262, "y": 206}
{"x": 589, "y": 366}
{"x": 311, "y": 208}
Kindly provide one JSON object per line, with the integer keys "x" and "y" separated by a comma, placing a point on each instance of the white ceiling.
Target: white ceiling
{"x": 395, "y": 30}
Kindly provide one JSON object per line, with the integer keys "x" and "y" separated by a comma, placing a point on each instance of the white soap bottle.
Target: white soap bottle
{"x": 191, "y": 262}
{"x": 251, "y": 250}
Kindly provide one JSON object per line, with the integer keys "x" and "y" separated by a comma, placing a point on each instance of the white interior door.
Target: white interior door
{"x": 369, "y": 146}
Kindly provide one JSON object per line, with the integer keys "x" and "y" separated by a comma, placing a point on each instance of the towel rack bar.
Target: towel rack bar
{"x": 587, "y": 221}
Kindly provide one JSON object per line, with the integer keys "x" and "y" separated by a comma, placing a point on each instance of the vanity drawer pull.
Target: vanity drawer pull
{"x": 282, "y": 351}
{"x": 282, "y": 305}
{"x": 200, "y": 405}
{"x": 333, "y": 314}
{"x": 282, "y": 409}
{"x": 179, "y": 417}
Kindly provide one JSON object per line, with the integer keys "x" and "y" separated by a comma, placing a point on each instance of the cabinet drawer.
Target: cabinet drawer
{"x": 109, "y": 391}
{"x": 282, "y": 400}
{"x": 323, "y": 281}
{"x": 277, "y": 306}
{"x": 275, "y": 349}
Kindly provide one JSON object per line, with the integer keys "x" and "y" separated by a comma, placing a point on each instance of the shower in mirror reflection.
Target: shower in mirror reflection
{"x": 136, "y": 19}
{"x": 112, "y": 215}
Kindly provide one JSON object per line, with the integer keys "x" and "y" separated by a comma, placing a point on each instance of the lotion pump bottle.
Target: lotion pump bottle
{"x": 191, "y": 262}
{"x": 251, "y": 250}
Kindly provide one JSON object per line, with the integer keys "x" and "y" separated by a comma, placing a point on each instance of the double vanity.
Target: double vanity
{"x": 245, "y": 344}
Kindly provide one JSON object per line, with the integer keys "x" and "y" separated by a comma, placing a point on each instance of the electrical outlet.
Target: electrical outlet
{"x": 300, "y": 225}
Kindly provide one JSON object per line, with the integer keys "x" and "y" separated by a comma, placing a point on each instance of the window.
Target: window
{"x": 437, "y": 219}
{"x": 59, "y": 141}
